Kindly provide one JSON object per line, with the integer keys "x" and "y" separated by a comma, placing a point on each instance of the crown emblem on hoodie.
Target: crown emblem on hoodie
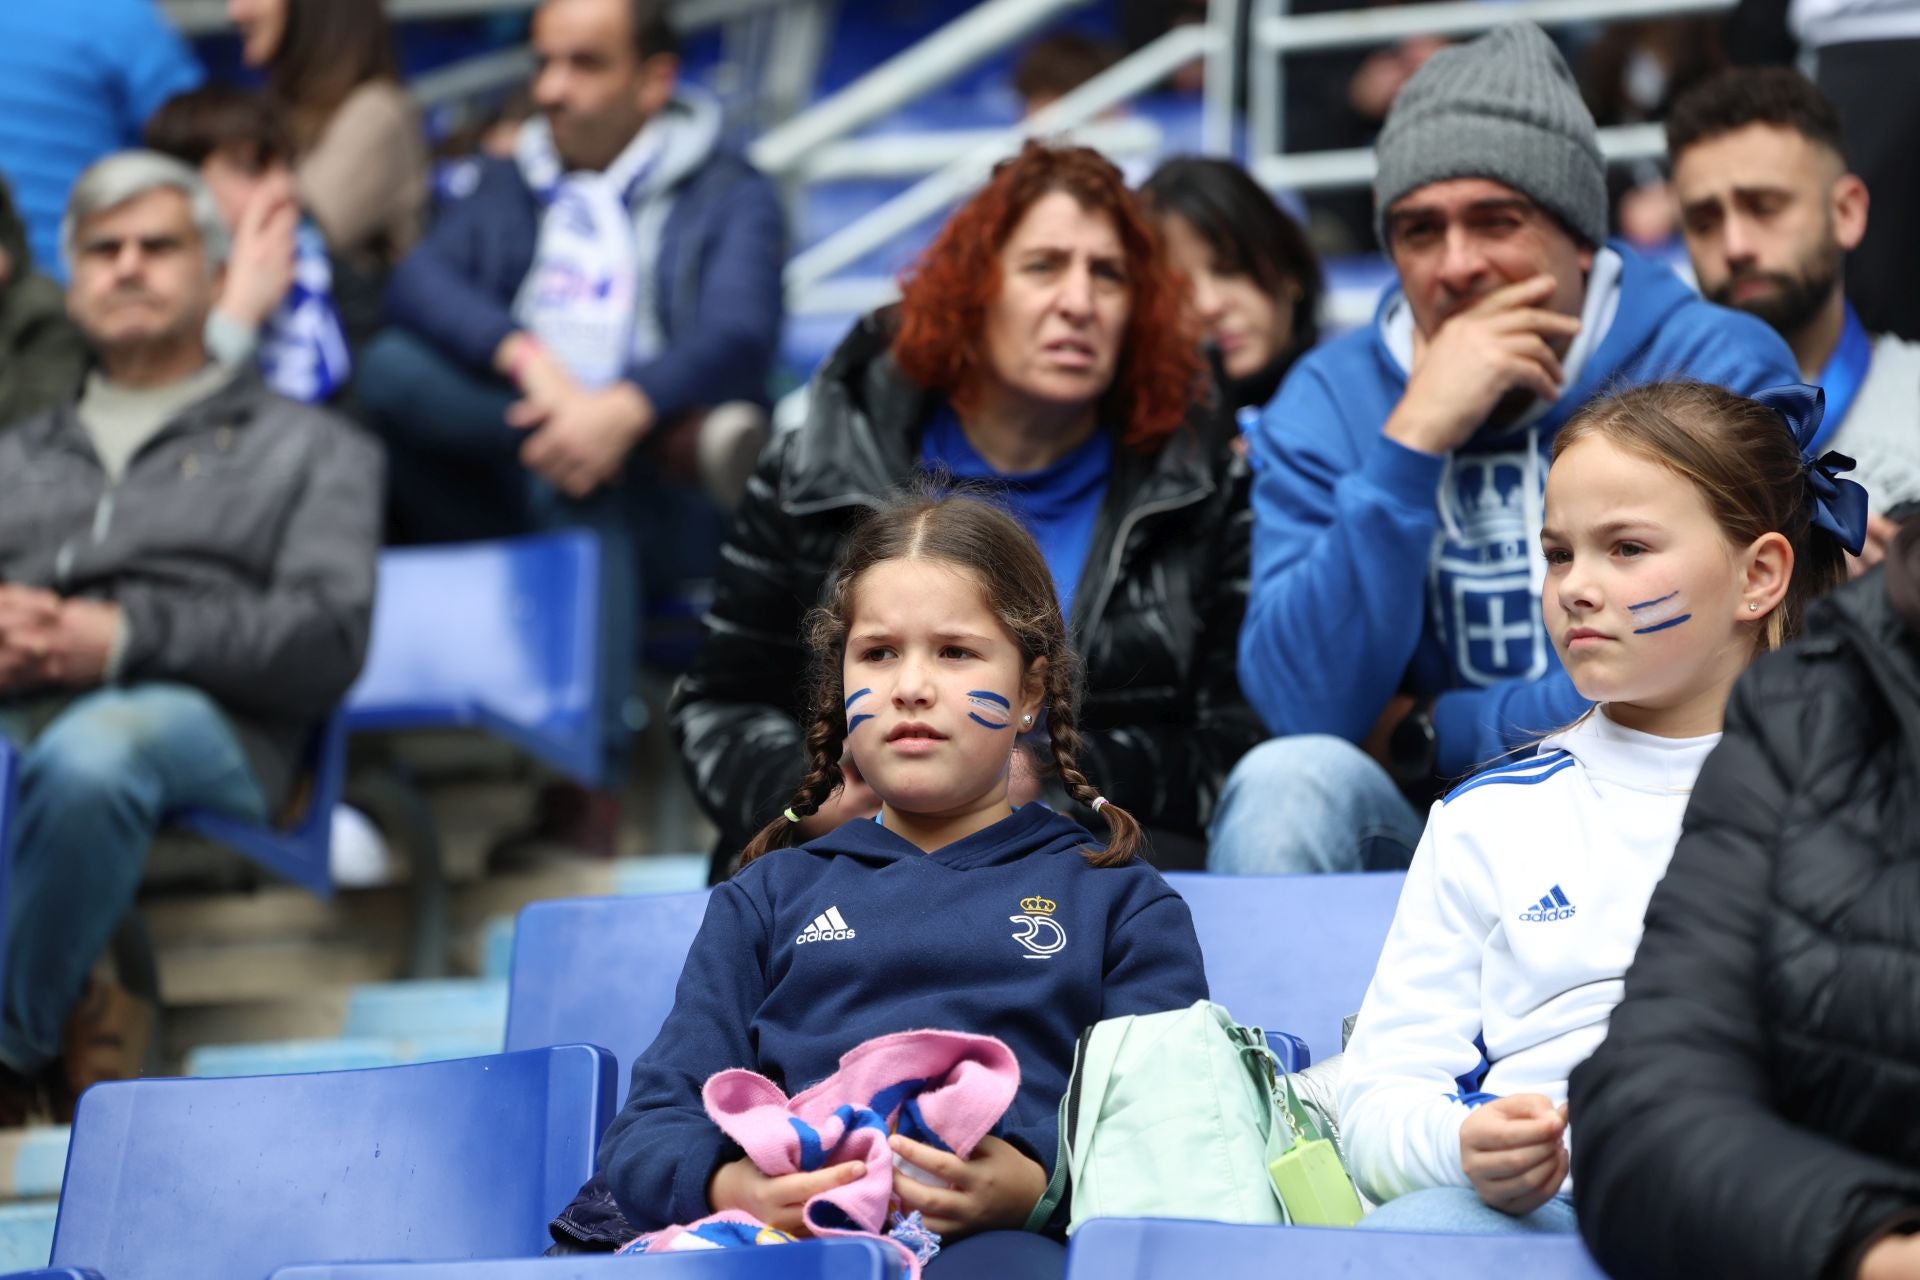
{"x": 1037, "y": 906}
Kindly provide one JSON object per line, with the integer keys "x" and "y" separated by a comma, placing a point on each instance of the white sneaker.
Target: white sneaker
{"x": 360, "y": 858}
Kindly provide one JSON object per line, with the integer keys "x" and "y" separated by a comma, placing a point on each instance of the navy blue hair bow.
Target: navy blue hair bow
{"x": 1839, "y": 506}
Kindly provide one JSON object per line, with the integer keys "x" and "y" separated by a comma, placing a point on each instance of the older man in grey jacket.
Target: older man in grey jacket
{"x": 186, "y": 581}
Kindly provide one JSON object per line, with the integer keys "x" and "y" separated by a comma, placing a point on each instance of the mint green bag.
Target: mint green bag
{"x": 1182, "y": 1115}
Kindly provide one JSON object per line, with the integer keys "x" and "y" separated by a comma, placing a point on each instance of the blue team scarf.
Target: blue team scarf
{"x": 1845, "y": 371}
{"x": 303, "y": 349}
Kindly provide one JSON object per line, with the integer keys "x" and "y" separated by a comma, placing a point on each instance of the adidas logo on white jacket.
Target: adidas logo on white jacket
{"x": 828, "y": 926}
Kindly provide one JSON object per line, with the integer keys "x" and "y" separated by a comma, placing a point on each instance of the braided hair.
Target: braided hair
{"x": 981, "y": 539}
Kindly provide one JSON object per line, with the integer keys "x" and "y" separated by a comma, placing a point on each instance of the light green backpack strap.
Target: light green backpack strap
{"x": 1063, "y": 1159}
{"x": 1057, "y": 1185}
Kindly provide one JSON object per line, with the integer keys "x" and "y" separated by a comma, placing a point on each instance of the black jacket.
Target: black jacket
{"x": 1755, "y": 1109}
{"x": 1156, "y": 618}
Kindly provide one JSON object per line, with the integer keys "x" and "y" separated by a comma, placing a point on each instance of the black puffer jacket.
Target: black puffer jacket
{"x": 1755, "y": 1110}
{"x": 1156, "y": 617}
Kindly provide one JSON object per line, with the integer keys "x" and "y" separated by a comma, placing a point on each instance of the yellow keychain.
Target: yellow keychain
{"x": 1312, "y": 1183}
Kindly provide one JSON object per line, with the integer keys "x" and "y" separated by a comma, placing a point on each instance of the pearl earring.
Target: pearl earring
{"x": 1026, "y": 721}
{"x": 1752, "y": 607}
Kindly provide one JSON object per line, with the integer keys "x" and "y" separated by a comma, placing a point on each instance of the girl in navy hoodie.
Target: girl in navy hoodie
{"x": 939, "y": 653}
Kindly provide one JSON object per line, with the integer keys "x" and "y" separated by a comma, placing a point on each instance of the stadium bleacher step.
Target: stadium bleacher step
{"x": 26, "y": 1234}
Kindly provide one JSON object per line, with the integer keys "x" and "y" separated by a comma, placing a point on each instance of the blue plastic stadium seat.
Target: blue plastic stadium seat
{"x": 501, "y": 636}
{"x": 1292, "y": 953}
{"x": 9, "y": 793}
{"x": 303, "y": 852}
{"x": 229, "y": 1179}
{"x": 599, "y": 970}
{"x": 1144, "y": 1248}
{"x": 807, "y": 1260}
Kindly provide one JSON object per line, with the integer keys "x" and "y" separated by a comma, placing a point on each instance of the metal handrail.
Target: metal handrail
{"x": 911, "y": 155}
{"x": 1125, "y": 79}
{"x": 207, "y": 17}
{"x": 1357, "y": 27}
{"x": 976, "y": 34}
{"x": 1275, "y": 34}
{"x": 1354, "y": 166}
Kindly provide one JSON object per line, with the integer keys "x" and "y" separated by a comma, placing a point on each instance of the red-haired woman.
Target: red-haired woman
{"x": 1041, "y": 348}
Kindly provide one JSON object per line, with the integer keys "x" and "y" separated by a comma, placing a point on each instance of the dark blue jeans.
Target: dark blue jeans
{"x": 454, "y": 474}
{"x": 98, "y": 775}
{"x": 1001, "y": 1255}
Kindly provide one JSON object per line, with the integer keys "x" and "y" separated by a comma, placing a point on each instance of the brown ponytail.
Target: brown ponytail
{"x": 1063, "y": 705}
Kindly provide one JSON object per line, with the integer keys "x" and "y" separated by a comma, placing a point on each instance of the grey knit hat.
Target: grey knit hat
{"x": 1503, "y": 107}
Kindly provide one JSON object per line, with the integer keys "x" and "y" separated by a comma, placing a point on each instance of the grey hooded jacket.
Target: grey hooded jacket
{"x": 240, "y": 546}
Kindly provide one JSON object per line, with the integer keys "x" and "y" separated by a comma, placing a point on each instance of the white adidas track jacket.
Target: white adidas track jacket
{"x": 1520, "y": 914}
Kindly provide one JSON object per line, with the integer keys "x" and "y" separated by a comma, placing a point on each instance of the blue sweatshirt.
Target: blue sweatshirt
{"x": 808, "y": 952}
{"x": 1362, "y": 589}
{"x": 1058, "y": 504}
{"x": 78, "y": 80}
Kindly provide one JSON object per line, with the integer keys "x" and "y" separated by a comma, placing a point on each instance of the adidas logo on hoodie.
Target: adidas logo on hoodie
{"x": 1554, "y": 906}
{"x": 828, "y": 926}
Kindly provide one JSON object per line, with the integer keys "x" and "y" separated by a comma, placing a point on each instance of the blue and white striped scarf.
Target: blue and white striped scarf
{"x": 303, "y": 349}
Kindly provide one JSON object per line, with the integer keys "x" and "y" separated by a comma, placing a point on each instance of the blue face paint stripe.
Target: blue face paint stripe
{"x": 855, "y": 697}
{"x": 987, "y": 696}
{"x": 988, "y": 723}
{"x": 1662, "y": 626}
{"x": 1648, "y": 604}
{"x": 856, "y": 722}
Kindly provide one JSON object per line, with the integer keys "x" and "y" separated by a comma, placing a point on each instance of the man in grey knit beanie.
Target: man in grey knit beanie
{"x": 1398, "y": 474}
{"x": 1503, "y": 108}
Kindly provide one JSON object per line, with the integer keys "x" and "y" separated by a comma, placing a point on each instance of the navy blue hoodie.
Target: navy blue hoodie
{"x": 808, "y": 952}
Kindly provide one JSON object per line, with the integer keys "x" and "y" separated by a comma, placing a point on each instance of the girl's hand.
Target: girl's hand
{"x": 1512, "y": 1149}
{"x": 778, "y": 1202}
{"x": 995, "y": 1190}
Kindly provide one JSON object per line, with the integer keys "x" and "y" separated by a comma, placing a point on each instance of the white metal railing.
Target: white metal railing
{"x": 1274, "y": 34}
{"x": 1354, "y": 166}
{"x": 1126, "y": 79}
{"x": 909, "y": 155}
{"x": 979, "y": 33}
{"x": 205, "y": 17}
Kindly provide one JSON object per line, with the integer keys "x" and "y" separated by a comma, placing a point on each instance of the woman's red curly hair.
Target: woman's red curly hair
{"x": 941, "y": 343}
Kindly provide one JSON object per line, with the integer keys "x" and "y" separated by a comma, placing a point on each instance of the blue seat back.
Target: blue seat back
{"x": 1288, "y": 953}
{"x": 599, "y": 970}
{"x": 1139, "y": 1248}
{"x": 301, "y": 853}
{"x": 501, "y": 636}
{"x": 234, "y": 1177}
{"x": 807, "y": 1260}
{"x": 1292, "y": 953}
{"x": 9, "y": 817}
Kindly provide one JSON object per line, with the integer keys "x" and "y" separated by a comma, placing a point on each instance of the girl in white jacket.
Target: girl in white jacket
{"x": 1685, "y": 530}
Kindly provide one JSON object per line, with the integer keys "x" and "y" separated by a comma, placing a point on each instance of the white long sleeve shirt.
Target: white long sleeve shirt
{"x": 1519, "y": 917}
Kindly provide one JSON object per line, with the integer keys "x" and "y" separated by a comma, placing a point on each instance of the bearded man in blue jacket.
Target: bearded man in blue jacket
{"x": 1399, "y": 470}
{"x": 610, "y": 287}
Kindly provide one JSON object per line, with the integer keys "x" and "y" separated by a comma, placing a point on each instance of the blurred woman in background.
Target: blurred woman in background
{"x": 361, "y": 154}
{"x": 1256, "y": 283}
